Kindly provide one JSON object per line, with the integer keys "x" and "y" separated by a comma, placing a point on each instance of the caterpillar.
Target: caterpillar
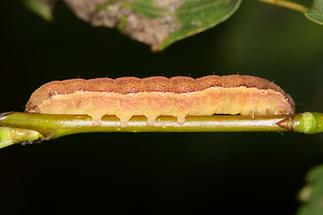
{"x": 156, "y": 96}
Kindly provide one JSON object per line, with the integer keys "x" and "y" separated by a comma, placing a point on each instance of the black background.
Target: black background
{"x": 159, "y": 173}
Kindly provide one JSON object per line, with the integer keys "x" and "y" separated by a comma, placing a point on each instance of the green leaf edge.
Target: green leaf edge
{"x": 308, "y": 16}
{"x": 313, "y": 12}
{"x": 40, "y": 8}
{"x": 168, "y": 42}
{"x": 309, "y": 193}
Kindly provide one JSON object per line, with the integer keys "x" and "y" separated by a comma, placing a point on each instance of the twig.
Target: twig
{"x": 287, "y": 4}
{"x": 9, "y": 136}
{"x": 50, "y": 126}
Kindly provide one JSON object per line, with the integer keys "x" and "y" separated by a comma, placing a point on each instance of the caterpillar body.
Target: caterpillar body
{"x": 160, "y": 96}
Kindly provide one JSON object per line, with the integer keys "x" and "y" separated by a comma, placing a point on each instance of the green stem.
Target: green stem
{"x": 9, "y": 136}
{"x": 308, "y": 123}
{"x": 287, "y": 4}
{"x": 52, "y": 125}
{"x": 49, "y": 126}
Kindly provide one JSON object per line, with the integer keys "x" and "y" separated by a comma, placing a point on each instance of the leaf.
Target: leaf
{"x": 196, "y": 16}
{"x": 42, "y": 8}
{"x": 312, "y": 193}
{"x": 157, "y": 23}
{"x": 315, "y": 12}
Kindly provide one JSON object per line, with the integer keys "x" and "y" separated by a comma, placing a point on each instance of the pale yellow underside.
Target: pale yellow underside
{"x": 214, "y": 100}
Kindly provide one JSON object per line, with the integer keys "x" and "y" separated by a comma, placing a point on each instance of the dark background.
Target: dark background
{"x": 159, "y": 173}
